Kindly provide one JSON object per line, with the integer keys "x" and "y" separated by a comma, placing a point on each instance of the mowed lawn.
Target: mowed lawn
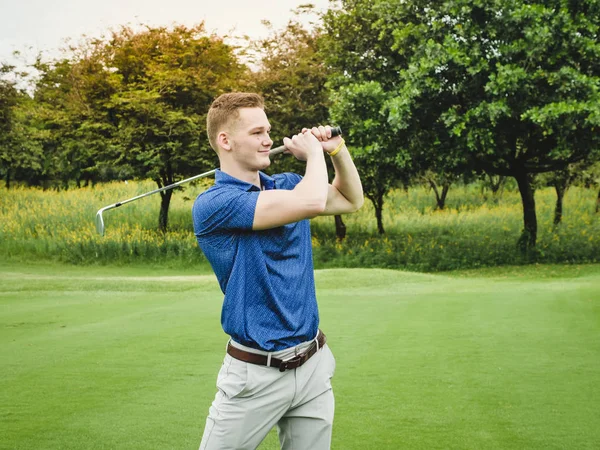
{"x": 126, "y": 358}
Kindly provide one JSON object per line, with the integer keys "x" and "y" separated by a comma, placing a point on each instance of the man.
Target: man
{"x": 253, "y": 229}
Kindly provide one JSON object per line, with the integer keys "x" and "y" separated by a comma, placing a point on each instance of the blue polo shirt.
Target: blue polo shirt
{"x": 267, "y": 275}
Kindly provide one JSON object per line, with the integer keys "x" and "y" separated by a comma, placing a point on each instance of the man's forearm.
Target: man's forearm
{"x": 313, "y": 186}
{"x": 347, "y": 180}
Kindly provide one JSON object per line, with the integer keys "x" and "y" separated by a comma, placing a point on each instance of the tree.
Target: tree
{"x": 590, "y": 178}
{"x": 494, "y": 183}
{"x": 167, "y": 81}
{"x": 20, "y": 151}
{"x": 8, "y": 100}
{"x": 561, "y": 181}
{"x": 440, "y": 185}
{"x": 135, "y": 104}
{"x": 363, "y": 70}
{"x": 292, "y": 79}
{"x": 377, "y": 153}
{"x": 70, "y": 94}
{"x": 502, "y": 86}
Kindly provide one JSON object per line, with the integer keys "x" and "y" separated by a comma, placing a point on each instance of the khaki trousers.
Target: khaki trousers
{"x": 252, "y": 399}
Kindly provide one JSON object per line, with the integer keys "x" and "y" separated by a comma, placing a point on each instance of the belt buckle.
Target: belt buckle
{"x": 299, "y": 359}
{"x": 292, "y": 363}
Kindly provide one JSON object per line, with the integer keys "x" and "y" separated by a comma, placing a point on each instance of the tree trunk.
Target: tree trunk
{"x": 497, "y": 187}
{"x": 378, "y": 213}
{"x": 598, "y": 203}
{"x": 378, "y": 204}
{"x": 528, "y": 237}
{"x": 7, "y": 180}
{"x": 440, "y": 199}
{"x": 163, "y": 217}
{"x": 340, "y": 227}
{"x": 561, "y": 189}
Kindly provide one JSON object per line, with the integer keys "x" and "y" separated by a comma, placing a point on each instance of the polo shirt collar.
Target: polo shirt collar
{"x": 222, "y": 178}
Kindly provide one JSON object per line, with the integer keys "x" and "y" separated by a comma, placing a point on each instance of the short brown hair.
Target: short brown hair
{"x": 224, "y": 108}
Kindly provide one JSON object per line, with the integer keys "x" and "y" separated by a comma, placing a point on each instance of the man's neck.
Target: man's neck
{"x": 249, "y": 176}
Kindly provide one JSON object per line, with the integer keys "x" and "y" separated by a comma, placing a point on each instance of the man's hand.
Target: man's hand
{"x": 323, "y": 134}
{"x": 303, "y": 145}
{"x": 277, "y": 207}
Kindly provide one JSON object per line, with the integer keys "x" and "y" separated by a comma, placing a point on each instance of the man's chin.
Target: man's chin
{"x": 265, "y": 163}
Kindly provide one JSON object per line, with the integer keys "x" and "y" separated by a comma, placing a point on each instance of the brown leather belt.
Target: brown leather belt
{"x": 292, "y": 363}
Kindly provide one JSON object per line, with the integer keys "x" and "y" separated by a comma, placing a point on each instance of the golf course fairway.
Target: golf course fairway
{"x": 127, "y": 357}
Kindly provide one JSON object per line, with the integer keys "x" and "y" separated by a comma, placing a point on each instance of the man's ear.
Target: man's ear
{"x": 223, "y": 141}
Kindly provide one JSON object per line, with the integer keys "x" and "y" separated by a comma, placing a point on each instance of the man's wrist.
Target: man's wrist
{"x": 338, "y": 148}
{"x": 314, "y": 154}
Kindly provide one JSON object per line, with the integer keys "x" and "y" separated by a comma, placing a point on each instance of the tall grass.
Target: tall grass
{"x": 473, "y": 230}
{"x": 470, "y": 232}
{"x": 60, "y": 226}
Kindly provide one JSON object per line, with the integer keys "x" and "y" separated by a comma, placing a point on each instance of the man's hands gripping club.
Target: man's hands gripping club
{"x": 316, "y": 138}
{"x": 313, "y": 196}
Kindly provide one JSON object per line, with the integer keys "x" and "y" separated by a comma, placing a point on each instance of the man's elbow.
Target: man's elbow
{"x": 357, "y": 204}
{"x": 350, "y": 206}
{"x": 316, "y": 207}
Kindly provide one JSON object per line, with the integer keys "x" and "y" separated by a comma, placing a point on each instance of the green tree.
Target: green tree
{"x": 501, "y": 86}
{"x": 562, "y": 180}
{"x": 69, "y": 100}
{"x": 590, "y": 178}
{"x": 376, "y": 151}
{"x": 493, "y": 183}
{"x": 21, "y": 156}
{"x": 167, "y": 79}
{"x": 8, "y": 100}
{"x": 134, "y": 104}
{"x": 363, "y": 69}
{"x": 292, "y": 78}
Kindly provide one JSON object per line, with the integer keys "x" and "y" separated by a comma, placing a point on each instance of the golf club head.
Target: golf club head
{"x": 99, "y": 223}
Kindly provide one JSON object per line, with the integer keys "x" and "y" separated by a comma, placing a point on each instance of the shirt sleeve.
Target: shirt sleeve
{"x": 289, "y": 180}
{"x": 224, "y": 209}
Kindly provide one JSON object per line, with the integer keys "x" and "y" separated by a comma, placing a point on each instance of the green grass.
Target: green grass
{"x": 126, "y": 358}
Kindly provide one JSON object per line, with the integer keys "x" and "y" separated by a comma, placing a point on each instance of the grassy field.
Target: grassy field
{"x": 126, "y": 358}
{"x": 475, "y": 230}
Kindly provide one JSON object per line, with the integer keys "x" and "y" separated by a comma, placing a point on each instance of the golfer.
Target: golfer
{"x": 254, "y": 230}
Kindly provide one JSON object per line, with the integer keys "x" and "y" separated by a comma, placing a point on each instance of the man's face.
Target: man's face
{"x": 250, "y": 139}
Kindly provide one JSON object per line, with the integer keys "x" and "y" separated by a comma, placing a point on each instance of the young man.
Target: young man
{"x": 254, "y": 230}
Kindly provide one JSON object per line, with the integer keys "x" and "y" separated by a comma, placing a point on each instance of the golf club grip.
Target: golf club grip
{"x": 335, "y": 131}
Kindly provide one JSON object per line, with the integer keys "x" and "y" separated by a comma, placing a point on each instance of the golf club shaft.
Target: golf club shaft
{"x": 335, "y": 131}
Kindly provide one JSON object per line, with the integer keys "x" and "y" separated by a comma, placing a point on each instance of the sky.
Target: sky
{"x": 30, "y": 26}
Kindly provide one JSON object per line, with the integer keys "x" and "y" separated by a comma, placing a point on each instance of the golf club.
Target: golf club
{"x": 335, "y": 131}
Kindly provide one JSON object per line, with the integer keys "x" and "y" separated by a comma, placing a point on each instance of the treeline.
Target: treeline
{"x": 432, "y": 92}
